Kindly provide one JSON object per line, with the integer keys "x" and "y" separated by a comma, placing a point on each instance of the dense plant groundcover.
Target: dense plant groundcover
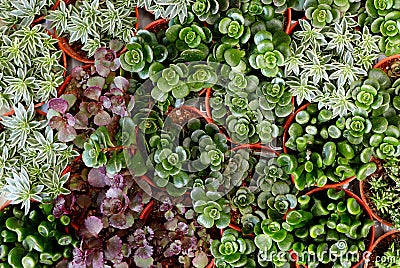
{"x": 224, "y": 135}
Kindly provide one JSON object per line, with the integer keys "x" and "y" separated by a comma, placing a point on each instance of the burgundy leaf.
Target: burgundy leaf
{"x": 70, "y": 119}
{"x": 93, "y": 93}
{"x": 94, "y": 225}
{"x": 97, "y": 177}
{"x": 106, "y": 102}
{"x": 115, "y": 92}
{"x": 96, "y": 81}
{"x": 115, "y": 64}
{"x": 98, "y": 259}
{"x": 82, "y": 120}
{"x": 100, "y": 53}
{"x": 102, "y": 118}
{"x": 58, "y": 104}
{"x": 93, "y": 108}
{"x": 121, "y": 83}
{"x": 101, "y": 69}
{"x": 57, "y": 122}
{"x": 117, "y": 220}
{"x": 113, "y": 247}
{"x": 144, "y": 252}
{"x": 83, "y": 108}
{"x": 84, "y": 201}
{"x": 67, "y": 134}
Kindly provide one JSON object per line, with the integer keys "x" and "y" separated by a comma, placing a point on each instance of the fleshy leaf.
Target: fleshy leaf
{"x": 97, "y": 176}
{"x": 94, "y": 225}
{"x": 58, "y": 104}
{"x": 113, "y": 247}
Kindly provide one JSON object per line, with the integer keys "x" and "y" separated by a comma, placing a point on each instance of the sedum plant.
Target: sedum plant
{"x": 233, "y": 28}
{"x": 270, "y": 52}
{"x": 92, "y": 24}
{"x": 233, "y": 250}
{"x": 101, "y": 98}
{"x": 209, "y": 10}
{"x": 322, "y": 13}
{"x": 328, "y": 221}
{"x": 179, "y": 80}
{"x": 36, "y": 239}
{"x": 326, "y": 149}
{"x": 187, "y": 41}
{"x": 203, "y": 149}
{"x": 23, "y": 13}
{"x": 382, "y": 16}
{"x": 143, "y": 50}
{"x": 271, "y": 239}
{"x": 249, "y": 110}
{"x": 277, "y": 196}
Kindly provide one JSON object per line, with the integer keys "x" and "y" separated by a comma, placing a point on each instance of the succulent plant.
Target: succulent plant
{"x": 243, "y": 199}
{"x": 385, "y": 24}
{"x": 386, "y": 145}
{"x": 320, "y": 159}
{"x": 170, "y": 81}
{"x": 271, "y": 238}
{"x": 35, "y": 240}
{"x": 267, "y": 131}
{"x": 212, "y": 213}
{"x": 380, "y": 8}
{"x": 188, "y": 41}
{"x": 169, "y": 164}
{"x": 275, "y": 100}
{"x": 233, "y": 250}
{"x": 322, "y": 13}
{"x": 270, "y": 52}
{"x": 233, "y": 28}
{"x": 143, "y": 50}
{"x": 102, "y": 100}
{"x": 241, "y": 130}
{"x": 209, "y": 10}
{"x": 329, "y": 221}
{"x": 23, "y": 13}
{"x": 268, "y": 172}
{"x": 357, "y": 127}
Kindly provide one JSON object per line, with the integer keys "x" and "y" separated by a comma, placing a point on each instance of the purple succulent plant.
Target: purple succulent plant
{"x": 106, "y": 61}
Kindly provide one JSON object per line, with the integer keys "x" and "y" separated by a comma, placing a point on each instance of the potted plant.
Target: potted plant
{"x": 87, "y": 26}
{"x": 35, "y": 240}
{"x": 385, "y": 251}
{"x": 379, "y": 192}
{"x": 186, "y": 241}
{"x": 329, "y": 220}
